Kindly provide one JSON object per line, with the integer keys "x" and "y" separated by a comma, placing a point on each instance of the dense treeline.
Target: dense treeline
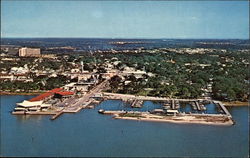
{"x": 40, "y": 83}
{"x": 185, "y": 76}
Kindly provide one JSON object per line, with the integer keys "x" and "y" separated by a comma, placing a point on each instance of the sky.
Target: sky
{"x": 126, "y": 19}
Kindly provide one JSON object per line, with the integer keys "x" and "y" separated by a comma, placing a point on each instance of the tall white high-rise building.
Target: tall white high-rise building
{"x": 29, "y": 52}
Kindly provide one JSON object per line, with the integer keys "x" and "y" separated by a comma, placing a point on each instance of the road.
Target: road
{"x": 85, "y": 100}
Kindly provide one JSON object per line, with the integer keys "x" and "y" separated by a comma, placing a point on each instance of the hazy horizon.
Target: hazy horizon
{"x": 132, "y": 38}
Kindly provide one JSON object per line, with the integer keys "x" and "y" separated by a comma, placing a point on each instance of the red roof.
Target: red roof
{"x": 41, "y": 96}
{"x": 65, "y": 93}
{"x": 55, "y": 90}
{"x": 46, "y": 94}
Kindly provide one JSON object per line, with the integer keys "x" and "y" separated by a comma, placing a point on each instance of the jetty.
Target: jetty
{"x": 209, "y": 119}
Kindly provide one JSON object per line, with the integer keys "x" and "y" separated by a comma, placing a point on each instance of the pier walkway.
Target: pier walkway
{"x": 223, "y": 108}
{"x": 134, "y": 102}
{"x": 56, "y": 115}
{"x": 172, "y": 104}
{"x": 198, "y": 106}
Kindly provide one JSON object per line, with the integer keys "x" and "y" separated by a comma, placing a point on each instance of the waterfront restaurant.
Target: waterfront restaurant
{"x": 37, "y": 103}
{"x": 32, "y": 106}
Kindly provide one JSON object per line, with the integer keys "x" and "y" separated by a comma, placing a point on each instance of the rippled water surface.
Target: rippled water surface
{"x": 88, "y": 133}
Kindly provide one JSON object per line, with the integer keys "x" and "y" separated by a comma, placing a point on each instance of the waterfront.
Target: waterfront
{"x": 89, "y": 134}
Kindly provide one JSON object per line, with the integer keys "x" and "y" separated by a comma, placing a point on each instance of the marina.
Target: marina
{"x": 58, "y": 101}
{"x": 171, "y": 115}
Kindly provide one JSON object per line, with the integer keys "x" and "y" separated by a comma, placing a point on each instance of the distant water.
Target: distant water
{"x": 85, "y": 44}
{"x": 91, "y": 134}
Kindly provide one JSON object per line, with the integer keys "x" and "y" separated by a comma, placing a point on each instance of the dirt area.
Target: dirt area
{"x": 212, "y": 120}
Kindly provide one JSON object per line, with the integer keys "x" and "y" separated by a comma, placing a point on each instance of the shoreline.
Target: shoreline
{"x": 21, "y": 93}
{"x": 228, "y": 104}
{"x": 235, "y": 103}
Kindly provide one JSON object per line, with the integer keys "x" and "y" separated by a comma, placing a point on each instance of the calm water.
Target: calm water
{"x": 90, "y": 134}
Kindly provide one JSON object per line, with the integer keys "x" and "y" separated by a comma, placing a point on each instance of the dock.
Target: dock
{"x": 56, "y": 115}
{"x": 197, "y": 105}
{"x": 33, "y": 113}
{"x": 173, "y": 104}
{"x": 223, "y": 108}
{"x": 136, "y": 104}
{"x": 133, "y": 103}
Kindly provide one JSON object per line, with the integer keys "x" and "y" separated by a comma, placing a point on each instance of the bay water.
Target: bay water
{"x": 89, "y": 133}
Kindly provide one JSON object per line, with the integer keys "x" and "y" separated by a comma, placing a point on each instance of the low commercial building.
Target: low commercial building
{"x": 39, "y": 103}
{"x": 80, "y": 86}
{"x": 84, "y": 76}
{"x": 32, "y": 106}
{"x": 46, "y": 95}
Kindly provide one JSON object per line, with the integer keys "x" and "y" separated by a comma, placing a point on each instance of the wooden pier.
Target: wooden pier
{"x": 56, "y": 115}
{"x": 133, "y": 103}
{"x": 173, "y": 104}
{"x": 136, "y": 104}
{"x": 197, "y": 105}
{"x": 223, "y": 108}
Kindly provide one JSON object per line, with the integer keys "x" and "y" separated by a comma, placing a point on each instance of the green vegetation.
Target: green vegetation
{"x": 186, "y": 76}
{"x": 40, "y": 83}
{"x": 220, "y": 75}
{"x": 22, "y": 86}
